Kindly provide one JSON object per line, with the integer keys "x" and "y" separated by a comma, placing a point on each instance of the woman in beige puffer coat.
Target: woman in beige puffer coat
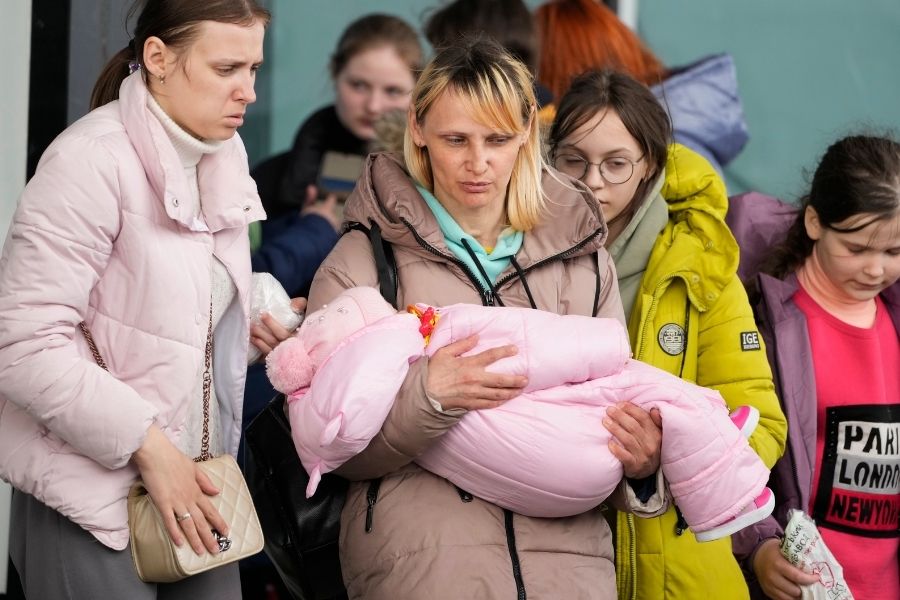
{"x": 472, "y": 216}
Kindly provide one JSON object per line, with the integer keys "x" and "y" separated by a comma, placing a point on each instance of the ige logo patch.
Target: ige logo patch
{"x": 672, "y": 339}
{"x": 750, "y": 341}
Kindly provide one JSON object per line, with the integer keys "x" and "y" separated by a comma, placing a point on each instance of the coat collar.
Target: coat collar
{"x": 571, "y": 225}
{"x": 228, "y": 194}
{"x": 778, "y": 294}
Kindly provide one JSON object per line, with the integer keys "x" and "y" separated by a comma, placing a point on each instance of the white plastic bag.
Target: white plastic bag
{"x": 267, "y": 295}
{"x": 804, "y": 547}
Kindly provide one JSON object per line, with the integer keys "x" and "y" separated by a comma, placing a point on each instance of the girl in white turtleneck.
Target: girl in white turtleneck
{"x": 828, "y": 305}
{"x": 134, "y": 224}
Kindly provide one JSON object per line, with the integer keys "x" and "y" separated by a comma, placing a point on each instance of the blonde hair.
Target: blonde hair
{"x": 497, "y": 91}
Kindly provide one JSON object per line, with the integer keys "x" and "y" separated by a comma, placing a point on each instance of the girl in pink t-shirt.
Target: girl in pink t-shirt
{"x": 829, "y": 310}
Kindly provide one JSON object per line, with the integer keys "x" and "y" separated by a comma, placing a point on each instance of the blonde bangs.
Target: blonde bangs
{"x": 494, "y": 102}
{"x": 497, "y": 91}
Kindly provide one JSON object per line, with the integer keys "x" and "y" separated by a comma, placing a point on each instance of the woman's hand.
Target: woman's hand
{"x": 637, "y": 438}
{"x": 779, "y": 579}
{"x": 269, "y": 333}
{"x": 456, "y": 381}
{"x": 179, "y": 488}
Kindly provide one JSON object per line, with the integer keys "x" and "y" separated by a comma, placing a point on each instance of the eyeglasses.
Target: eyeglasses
{"x": 614, "y": 169}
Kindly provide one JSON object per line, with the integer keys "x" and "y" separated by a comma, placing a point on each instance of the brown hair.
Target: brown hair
{"x": 508, "y": 22}
{"x": 641, "y": 113}
{"x": 175, "y": 22}
{"x": 859, "y": 174}
{"x": 584, "y": 35}
{"x": 374, "y": 31}
{"x": 498, "y": 91}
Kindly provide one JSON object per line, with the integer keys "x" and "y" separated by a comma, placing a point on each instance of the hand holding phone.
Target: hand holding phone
{"x": 338, "y": 174}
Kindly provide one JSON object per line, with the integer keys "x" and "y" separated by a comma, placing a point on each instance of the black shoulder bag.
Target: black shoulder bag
{"x": 301, "y": 534}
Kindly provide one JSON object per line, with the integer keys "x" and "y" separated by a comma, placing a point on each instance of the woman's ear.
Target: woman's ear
{"x": 812, "y": 223}
{"x": 413, "y": 124}
{"x": 157, "y": 57}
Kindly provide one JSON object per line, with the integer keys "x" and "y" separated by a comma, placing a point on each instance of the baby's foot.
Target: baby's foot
{"x": 745, "y": 418}
{"x": 754, "y": 512}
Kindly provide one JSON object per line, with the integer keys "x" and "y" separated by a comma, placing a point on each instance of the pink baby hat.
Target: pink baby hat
{"x": 294, "y": 362}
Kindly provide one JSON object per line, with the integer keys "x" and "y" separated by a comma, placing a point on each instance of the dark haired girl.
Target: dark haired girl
{"x": 828, "y": 307}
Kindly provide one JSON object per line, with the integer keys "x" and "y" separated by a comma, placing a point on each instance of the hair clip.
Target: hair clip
{"x": 133, "y": 66}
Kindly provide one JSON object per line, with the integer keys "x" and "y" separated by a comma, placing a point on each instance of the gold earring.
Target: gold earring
{"x": 162, "y": 79}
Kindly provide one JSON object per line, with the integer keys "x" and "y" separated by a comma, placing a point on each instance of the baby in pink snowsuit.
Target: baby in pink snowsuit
{"x": 543, "y": 453}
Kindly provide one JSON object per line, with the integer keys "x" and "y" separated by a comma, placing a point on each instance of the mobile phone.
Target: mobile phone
{"x": 338, "y": 174}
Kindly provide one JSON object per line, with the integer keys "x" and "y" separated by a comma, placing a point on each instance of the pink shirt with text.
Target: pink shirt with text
{"x": 856, "y": 495}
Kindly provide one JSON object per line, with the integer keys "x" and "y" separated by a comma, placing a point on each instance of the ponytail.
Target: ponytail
{"x": 106, "y": 89}
{"x": 176, "y": 23}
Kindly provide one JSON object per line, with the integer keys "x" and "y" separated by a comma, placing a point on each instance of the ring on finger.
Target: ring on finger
{"x": 183, "y": 517}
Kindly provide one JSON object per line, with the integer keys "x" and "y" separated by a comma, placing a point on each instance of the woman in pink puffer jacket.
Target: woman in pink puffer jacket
{"x": 543, "y": 453}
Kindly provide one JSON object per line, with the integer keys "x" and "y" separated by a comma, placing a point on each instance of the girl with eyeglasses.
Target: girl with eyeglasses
{"x": 687, "y": 311}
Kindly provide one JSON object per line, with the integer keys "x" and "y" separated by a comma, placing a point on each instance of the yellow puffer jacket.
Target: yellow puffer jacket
{"x": 691, "y": 318}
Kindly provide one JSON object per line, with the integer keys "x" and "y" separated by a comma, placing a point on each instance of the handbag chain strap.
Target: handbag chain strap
{"x": 207, "y": 391}
{"x": 207, "y": 379}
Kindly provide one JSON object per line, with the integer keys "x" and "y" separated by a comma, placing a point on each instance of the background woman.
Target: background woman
{"x": 702, "y": 98}
{"x": 135, "y": 224}
{"x": 472, "y": 217}
{"x": 687, "y": 311}
{"x": 828, "y": 305}
{"x": 373, "y": 68}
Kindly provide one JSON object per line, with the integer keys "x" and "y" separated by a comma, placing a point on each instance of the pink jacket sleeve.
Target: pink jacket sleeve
{"x": 553, "y": 349}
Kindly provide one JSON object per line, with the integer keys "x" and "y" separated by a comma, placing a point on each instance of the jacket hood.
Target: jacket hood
{"x": 696, "y": 239}
{"x": 706, "y": 111}
{"x": 386, "y": 194}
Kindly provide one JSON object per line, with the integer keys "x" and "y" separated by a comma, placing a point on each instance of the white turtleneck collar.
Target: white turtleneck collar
{"x": 190, "y": 150}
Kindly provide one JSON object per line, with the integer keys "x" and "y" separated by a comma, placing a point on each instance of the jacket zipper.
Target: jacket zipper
{"x": 632, "y": 552}
{"x": 514, "y": 555}
{"x": 559, "y": 256}
{"x": 371, "y": 499}
{"x": 487, "y": 297}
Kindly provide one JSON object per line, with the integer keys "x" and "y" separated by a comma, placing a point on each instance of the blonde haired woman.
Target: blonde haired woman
{"x": 475, "y": 218}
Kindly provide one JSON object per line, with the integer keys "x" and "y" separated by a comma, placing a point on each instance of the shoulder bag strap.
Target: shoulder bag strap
{"x": 385, "y": 263}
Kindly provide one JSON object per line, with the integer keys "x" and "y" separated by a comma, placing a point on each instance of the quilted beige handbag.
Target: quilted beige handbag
{"x": 156, "y": 558}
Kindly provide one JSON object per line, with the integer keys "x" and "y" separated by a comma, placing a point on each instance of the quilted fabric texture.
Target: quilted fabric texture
{"x": 157, "y": 559}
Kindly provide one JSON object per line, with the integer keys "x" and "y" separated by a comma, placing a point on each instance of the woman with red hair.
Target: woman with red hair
{"x": 701, "y": 99}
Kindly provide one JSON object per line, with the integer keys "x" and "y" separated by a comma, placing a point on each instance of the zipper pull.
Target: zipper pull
{"x": 464, "y": 495}
{"x": 680, "y": 525}
{"x": 371, "y": 499}
{"x": 488, "y": 298}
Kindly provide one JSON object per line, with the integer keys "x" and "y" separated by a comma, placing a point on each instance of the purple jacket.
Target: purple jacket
{"x": 758, "y": 223}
